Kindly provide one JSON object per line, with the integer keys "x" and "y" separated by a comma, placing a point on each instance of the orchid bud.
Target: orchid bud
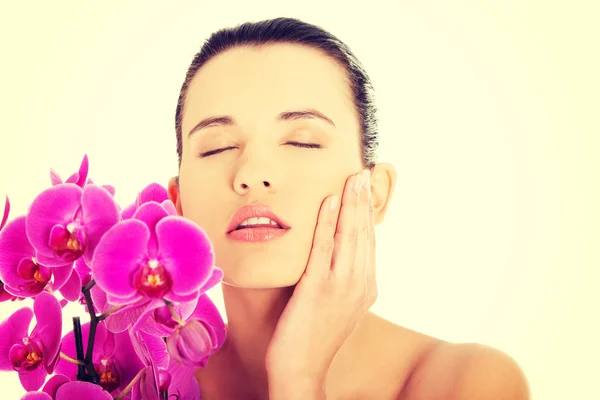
{"x": 191, "y": 344}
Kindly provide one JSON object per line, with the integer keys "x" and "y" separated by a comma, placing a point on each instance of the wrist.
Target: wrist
{"x": 296, "y": 387}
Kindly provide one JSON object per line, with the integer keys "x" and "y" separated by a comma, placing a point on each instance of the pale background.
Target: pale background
{"x": 489, "y": 111}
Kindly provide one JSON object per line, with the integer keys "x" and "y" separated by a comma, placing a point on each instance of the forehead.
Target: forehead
{"x": 254, "y": 84}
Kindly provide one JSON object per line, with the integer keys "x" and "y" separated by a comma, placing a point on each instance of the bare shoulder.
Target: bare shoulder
{"x": 380, "y": 362}
{"x": 466, "y": 371}
{"x": 403, "y": 364}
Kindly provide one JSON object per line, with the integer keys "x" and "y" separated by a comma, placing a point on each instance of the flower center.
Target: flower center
{"x": 69, "y": 242}
{"x": 27, "y": 355}
{"x": 109, "y": 375}
{"x": 36, "y": 277}
{"x": 153, "y": 280}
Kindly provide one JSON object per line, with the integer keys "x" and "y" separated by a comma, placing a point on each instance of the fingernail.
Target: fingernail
{"x": 358, "y": 182}
{"x": 333, "y": 203}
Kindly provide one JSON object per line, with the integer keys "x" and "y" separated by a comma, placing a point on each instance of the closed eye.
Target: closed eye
{"x": 297, "y": 144}
{"x": 305, "y": 145}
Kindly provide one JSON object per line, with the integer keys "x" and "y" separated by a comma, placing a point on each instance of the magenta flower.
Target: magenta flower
{"x": 153, "y": 192}
{"x": 72, "y": 390}
{"x": 79, "y": 178}
{"x": 6, "y": 211}
{"x": 6, "y": 296}
{"x": 200, "y": 337}
{"x": 114, "y": 357}
{"x": 154, "y": 377}
{"x": 66, "y": 222}
{"x": 165, "y": 257}
{"x": 33, "y": 356}
{"x": 23, "y": 275}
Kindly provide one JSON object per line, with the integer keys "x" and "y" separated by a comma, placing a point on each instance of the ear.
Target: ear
{"x": 173, "y": 191}
{"x": 383, "y": 182}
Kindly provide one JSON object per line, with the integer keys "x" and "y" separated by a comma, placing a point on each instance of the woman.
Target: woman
{"x": 274, "y": 119}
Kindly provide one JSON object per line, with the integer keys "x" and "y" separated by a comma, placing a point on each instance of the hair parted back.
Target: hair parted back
{"x": 295, "y": 31}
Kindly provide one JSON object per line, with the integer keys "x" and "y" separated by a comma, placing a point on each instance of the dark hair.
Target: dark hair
{"x": 291, "y": 30}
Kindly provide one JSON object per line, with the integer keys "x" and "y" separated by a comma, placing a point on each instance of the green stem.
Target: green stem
{"x": 71, "y": 359}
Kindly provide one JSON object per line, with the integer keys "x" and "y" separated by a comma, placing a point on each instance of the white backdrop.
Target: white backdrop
{"x": 487, "y": 112}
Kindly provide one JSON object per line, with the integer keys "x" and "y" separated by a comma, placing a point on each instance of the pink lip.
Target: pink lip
{"x": 254, "y": 211}
{"x": 259, "y": 234}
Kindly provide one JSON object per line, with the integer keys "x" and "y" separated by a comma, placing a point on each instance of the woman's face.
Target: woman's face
{"x": 251, "y": 88}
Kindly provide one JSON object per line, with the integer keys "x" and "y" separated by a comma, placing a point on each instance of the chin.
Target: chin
{"x": 265, "y": 276}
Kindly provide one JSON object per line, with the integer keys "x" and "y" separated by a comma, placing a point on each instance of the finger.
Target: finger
{"x": 347, "y": 233}
{"x": 319, "y": 262}
{"x": 362, "y": 253}
{"x": 371, "y": 275}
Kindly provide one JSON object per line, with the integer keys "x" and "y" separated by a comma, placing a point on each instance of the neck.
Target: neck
{"x": 252, "y": 316}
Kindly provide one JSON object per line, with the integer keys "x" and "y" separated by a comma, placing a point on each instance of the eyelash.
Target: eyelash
{"x": 297, "y": 144}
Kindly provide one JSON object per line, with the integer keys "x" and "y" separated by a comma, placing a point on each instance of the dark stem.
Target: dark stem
{"x": 92, "y": 374}
{"x": 81, "y": 374}
{"x": 89, "y": 286}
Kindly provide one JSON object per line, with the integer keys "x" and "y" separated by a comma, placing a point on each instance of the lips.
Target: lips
{"x": 255, "y": 211}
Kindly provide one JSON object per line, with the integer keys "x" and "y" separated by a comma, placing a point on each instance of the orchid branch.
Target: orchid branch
{"x": 71, "y": 359}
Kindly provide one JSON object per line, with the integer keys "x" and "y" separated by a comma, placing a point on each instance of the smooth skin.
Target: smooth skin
{"x": 297, "y": 307}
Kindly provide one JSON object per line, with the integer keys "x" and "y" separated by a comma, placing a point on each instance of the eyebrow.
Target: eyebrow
{"x": 309, "y": 113}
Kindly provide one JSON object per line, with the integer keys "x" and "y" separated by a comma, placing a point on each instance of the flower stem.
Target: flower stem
{"x": 92, "y": 374}
{"x": 71, "y": 359}
{"x": 89, "y": 286}
{"x": 172, "y": 310}
{"x": 105, "y": 314}
{"x": 81, "y": 374}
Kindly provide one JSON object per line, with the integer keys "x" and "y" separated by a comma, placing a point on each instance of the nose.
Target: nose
{"x": 244, "y": 184}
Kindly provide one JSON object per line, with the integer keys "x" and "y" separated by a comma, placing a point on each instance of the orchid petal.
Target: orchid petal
{"x": 73, "y": 179}
{"x": 99, "y": 300}
{"x": 183, "y": 381}
{"x": 163, "y": 324}
{"x": 125, "y": 316}
{"x": 52, "y": 262}
{"x": 153, "y": 192}
{"x": 150, "y": 349}
{"x": 83, "y": 171}
{"x": 186, "y": 253}
{"x": 14, "y": 247}
{"x": 114, "y": 264}
{"x": 54, "y": 206}
{"x": 100, "y": 213}
{"x": 151, "y": 213}
{"x": 85, "y": 272}
{"x": 54, "y": 383}
{"x": 61, "y": 276}
{"x": 169, "y": 207}
{"x": 77, "y": 389}
{"x": 33, "y": 379}
{"x": 128, "y": 211}
{"x": 36, "y": 396}
{"x": 215, "y": 278}
{"x": 6, "y": 212}
{"x": 126, "y": 358}
{"x": 12, "y": 330}
{"x": 48, "y": 315}
{"x": 55, "y": 178}
{"x": 148, "y": 310}
{"x": 71, "y": 290}
{"x": 110, "y": 189}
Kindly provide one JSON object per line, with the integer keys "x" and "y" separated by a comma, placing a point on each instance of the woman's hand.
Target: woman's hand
{"x": 335, "y": 292}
